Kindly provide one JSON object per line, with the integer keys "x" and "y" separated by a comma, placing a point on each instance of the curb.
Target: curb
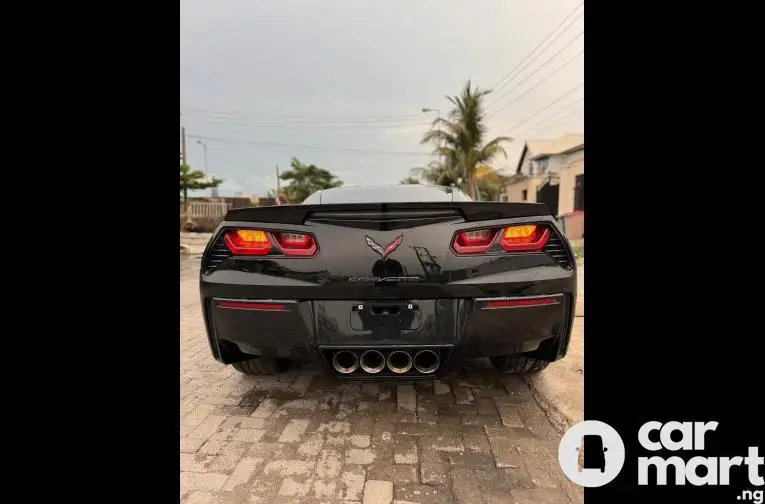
{"x": 559, "y": 420}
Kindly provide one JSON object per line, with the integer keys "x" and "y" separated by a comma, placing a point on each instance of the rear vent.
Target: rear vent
{"x": 385, "y": 221}
{"x": 217, "y": 254}
{"x": 557, "y": 250}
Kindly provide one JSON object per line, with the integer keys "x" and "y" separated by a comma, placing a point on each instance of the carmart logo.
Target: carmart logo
{"x": 591, "y": 454}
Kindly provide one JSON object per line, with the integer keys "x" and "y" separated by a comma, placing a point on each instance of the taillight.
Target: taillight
{"x": 296, "y": 244}
{"x": 523, "y": 238}
{"x": 528, "y": 238}
{"x": 248, "y": 242}
{"x": 259, "y": 242}
{"x": 474, "y": 242}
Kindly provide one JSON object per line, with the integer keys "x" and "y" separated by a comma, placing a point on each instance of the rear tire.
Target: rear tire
{"x": 261, "y": 366}
{"x": 518, "y": 364}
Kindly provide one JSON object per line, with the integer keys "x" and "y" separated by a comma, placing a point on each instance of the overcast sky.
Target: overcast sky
{"x": 341, "y": 83}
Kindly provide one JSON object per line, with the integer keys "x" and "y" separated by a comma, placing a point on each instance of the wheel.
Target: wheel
{"x": 260, "y": 366}
{"x": 518, "y": 364}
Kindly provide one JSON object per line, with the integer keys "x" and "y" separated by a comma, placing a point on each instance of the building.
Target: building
{"x": 552, "y": 172}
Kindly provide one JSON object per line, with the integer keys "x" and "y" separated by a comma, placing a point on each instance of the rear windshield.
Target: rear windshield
{"x": 405, "y": 193}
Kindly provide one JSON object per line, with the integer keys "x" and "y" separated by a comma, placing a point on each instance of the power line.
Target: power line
{"x": 546, "y": 119}
{"x": 303, "y": 118}
{"x": 532, "y": 88}
{"x": 561, "y": 121}
{"x": 303, "y": 125}
{"x": 561, "y": 97}
{"x": 303, "y": 146}
{"x": 517, "y": 68}
{"x": 540, "y": 67}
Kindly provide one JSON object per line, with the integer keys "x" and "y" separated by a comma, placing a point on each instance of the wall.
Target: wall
{"x": 515, "y": 191}
{"x": 567, "y": 177}
{"x": 205, "y": 216}
{"x": 573, "y": 224}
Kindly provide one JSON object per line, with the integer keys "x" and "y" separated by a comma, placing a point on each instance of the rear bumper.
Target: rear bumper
{"x": 523, "y": 311}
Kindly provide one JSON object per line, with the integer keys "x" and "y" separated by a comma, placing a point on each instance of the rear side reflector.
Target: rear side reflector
{"x": 243, "y": 305}
{"x": 260, "y": 242}
{"x": 523, "y": 238}
{"x": 517, "y": 303}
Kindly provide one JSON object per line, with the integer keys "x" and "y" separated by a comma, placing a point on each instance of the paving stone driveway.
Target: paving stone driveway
{"x": 304, "y": 437}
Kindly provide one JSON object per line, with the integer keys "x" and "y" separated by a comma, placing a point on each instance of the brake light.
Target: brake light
{"x": 526, "y": 238}
{"x": 259, "y": 242}
{"x": 248, "y": 242}
{"x": 475, "y": 241}
{"x": 523, "y": 238}
{"x": 296, "y": 244}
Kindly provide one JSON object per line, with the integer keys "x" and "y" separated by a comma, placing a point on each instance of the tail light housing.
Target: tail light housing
{"x": 296, "y": 244}
{"x": 257, "y": 242}
{"x": 521, "y": 238}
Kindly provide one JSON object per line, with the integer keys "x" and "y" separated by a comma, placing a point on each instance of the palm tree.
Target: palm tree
{"x": 306, "y": 180}
{"x": 441, "y": 174}
{"x": 490, "y": 183}
{"x": 459, "y": 139}
{"x": 409, "y": 181}
{"x": 194, "y": 180}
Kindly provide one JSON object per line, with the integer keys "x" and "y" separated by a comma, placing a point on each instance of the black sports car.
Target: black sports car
{"x": 390, "y": 281}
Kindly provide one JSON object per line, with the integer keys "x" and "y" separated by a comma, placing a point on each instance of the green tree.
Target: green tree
{"x": 194, "y": 180}
{"x": 441, "y": 174}
{"x": 459, "y": 140}
{"x": 490, "y": 183}
{"x": 305, "y": 180}
{"x": 409, "y": 181}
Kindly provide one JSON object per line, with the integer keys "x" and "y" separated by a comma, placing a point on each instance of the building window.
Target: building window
{"x": 542, "y": 165}
{"x": 524, "y": 195}
{"x": 579, "y": 193}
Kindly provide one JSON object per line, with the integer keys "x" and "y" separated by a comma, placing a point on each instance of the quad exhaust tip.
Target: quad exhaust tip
{"x": 345, "y": 362}
{"x": 372, "y": 361}
{"x": 426, "y": 361}
{"x": 399, "y": 361}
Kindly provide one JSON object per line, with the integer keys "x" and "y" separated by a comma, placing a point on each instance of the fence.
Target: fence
{"x": 206, "y": 209}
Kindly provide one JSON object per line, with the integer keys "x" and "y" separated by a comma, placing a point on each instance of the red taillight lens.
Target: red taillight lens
{"x": 475, "y": 241}
{"x": 524, "y": 238}
{"x": 245, "y": 305}
{"x": 248, "y": 242}
{"x": 527, "y": 238}
{"x": 258, "y": 242}
{"x": 296, "y": 244}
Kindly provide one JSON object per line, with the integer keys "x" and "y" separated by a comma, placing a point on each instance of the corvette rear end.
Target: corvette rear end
{"x": 382, "y": 290}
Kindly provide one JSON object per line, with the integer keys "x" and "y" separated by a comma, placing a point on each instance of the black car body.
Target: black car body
{"x": 388, "y": 281}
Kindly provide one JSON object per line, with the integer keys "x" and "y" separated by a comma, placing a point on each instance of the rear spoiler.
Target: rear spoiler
{"x": 471, "y": 211}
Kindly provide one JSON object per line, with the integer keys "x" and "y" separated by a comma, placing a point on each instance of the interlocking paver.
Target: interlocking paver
{"x": 305, "y": 437}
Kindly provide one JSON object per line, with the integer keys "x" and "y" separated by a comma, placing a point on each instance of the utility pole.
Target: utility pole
{"x": 204, "y": 149}
{"x": 183, "y": 144}
{"x": 278, "y": 186}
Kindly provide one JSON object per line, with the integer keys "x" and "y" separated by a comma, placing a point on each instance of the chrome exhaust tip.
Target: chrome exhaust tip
{"x": 372, "y": 361}
{"x": 399, "y": 361}
{"x": 345, "y": 362}
{"x": 426, "y": 361}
